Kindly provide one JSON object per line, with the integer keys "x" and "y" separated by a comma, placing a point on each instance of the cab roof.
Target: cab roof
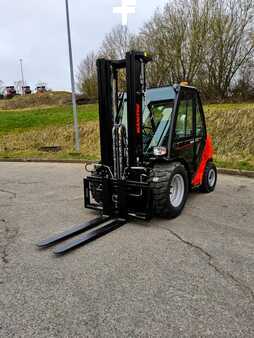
{"x": 165, "y": 93}
{"x": 160, "y": 94}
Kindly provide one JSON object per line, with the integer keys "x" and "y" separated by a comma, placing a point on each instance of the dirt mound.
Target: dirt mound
{"x": 37, "y": 100}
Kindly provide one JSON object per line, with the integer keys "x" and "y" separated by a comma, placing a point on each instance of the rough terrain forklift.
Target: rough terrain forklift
{"x": 41, "y": 89}
{"x": 10, "y": 92}
{"x": 26, "y": 90}
{"x": 154, "y": 150}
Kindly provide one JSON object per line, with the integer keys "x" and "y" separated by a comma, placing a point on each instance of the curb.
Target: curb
{"x": 37, "y": 160}
{"x": 236, "y": 172}
{"x": 224, "y": 171}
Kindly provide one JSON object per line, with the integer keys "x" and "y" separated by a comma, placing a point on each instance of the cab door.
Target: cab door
{"x": 199, "y": 132}
{"x": 183, "y": 145}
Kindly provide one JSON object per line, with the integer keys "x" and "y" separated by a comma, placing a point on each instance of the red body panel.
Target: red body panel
{"x": 206, "y": 156}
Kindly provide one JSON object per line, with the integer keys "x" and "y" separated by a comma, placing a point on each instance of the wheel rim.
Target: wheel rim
{"x": 211, "y": 177}
{"x": 177, "y": 190}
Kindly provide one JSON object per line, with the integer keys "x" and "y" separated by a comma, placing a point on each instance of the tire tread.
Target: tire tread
{"x": 160, "y": 188}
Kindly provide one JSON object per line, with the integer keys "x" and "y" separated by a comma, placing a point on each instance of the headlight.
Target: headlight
{"x": 159, "y": 151}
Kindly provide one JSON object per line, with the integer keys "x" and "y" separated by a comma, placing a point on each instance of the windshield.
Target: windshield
{"x": 158, "y": 107}
{"x": 156, "y": 122}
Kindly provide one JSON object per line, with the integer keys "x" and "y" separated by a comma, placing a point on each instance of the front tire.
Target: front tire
{"x": 170, "y": 187}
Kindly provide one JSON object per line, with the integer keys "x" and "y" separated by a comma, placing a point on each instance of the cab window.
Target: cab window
{"x": 199, "y": 123}
{"x": 184, "y": 121}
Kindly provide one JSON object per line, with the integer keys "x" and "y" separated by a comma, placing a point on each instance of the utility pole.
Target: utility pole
{"x": 74, "y": 103}
{"x": 22, "y": 76}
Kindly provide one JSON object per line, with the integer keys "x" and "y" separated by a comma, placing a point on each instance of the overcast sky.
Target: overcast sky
{"x": 35, "y": 30}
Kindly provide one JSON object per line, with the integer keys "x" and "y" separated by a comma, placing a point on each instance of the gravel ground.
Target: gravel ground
{"x": 188, "y": 277}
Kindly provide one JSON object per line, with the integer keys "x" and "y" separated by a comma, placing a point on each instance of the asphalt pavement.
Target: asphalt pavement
{"x": 188, "y": 277}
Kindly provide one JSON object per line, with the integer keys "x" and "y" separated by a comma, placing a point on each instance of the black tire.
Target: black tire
{"x": 163, "y": 175}
{"x": 208, "y": 184}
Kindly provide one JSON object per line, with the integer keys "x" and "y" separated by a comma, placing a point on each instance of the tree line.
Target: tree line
{"x": 208, "y": 43}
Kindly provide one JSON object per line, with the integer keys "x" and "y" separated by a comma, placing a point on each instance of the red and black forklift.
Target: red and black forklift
{"x": 154, "y": 150}
{"x": 26, "y": 90}
{"x": 10, "y": 92}
{"x": 41, "y": 89}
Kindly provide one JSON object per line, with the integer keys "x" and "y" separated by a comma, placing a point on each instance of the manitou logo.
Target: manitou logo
{"x": 138, "y": 113}
{"x": 128, "y": 7}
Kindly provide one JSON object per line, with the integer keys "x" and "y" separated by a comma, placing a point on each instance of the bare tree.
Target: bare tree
{"x": 150, "y": 39}
{"x": 117, "y": 43}
{"x": 230, "y": 43}
{"x": 114, "y": 46}
{"x": 177, "y": 38}
{"x": 242, "y": 86}
{"x": 87, "y": 76}
{"x": 205, "y": 42}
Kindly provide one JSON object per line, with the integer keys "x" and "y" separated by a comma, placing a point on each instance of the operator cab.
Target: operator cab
{"x": 158, "y": 107}
{"x": 164, "y": 112}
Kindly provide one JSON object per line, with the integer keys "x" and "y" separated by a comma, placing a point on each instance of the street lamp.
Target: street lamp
{"x": 22, "y": 76}
{"x": 74, "y": 103}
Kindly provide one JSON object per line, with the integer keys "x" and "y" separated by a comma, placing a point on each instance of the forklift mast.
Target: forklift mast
{"x": 108, "y": 92}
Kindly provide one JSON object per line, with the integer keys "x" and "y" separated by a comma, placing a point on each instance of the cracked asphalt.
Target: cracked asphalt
{"x": 188, "y": 277}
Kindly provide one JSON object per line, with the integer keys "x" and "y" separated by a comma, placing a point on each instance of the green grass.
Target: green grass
{"x": 20, "y": 120}
{"x": 234, "y": 164}
{"x": 228, "y": 106}
{"x": 24, "y": 131}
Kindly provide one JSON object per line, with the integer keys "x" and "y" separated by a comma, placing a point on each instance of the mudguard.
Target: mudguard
{"x": 207, "y": 155}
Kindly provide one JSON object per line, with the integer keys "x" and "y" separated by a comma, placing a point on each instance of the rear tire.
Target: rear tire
{"x": 209, "y": 178}
{"x": 170, "y": 188}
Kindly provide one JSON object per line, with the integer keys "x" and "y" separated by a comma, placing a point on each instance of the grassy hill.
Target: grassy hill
{"x": 232, "y": 129}
{"x": 21, "y": 120}
{"x": 24, "y": 131}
